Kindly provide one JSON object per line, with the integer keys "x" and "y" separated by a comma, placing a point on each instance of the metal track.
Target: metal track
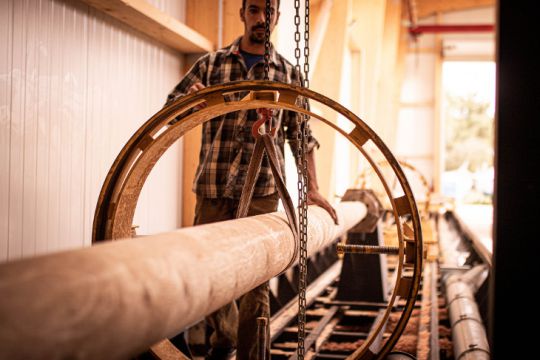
{"x": 335, "y": 328}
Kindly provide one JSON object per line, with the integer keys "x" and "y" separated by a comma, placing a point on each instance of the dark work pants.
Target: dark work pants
{"x": 237, "y": 326}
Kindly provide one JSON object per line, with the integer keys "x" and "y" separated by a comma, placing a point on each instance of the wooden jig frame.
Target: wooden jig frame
{"x": 120, "y": 192}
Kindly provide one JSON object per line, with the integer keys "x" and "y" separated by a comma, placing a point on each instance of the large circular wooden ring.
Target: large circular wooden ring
{"x": 362, "y": 182}
{"x": 118, "y": 198}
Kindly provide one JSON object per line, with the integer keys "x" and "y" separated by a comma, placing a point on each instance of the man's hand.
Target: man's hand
{"x": 194, "y": 88}
{"x": 314, "y": 197}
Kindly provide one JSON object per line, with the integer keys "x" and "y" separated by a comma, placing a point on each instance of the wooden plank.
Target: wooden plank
{"x": 402, "y": 206}
{"x": 232, "y": 26}
{"x": 142, "y": 16}
{"x": 192, "y": 147}
{"x": 366, "y": 31}
{"x": 438, "y": 125}
{"x": 165, "y": 350}
{"x": 199, "y": 14}
{"x": 321, "y": 14}
{"x": 389, "y": 88}
{"x": 356, "y": 157}
{"x": 405, "y": 284}
{"x": 326, "y": 79}
{"x": 429, "y": 325}
{"x": 427, "y": 8}
{"x": 367, "y": 34}
{"x": 203, "y": 17}
{"x": 476, "y": 222}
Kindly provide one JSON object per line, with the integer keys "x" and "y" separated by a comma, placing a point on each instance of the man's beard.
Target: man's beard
{"x": 255, "y": 38}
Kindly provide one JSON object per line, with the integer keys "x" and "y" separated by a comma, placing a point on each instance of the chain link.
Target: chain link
{"x": 297, "y": 35}
{"x": 301, "y": 161}
{"x": 267, "y": 40}
{"x": 306, "y": 46}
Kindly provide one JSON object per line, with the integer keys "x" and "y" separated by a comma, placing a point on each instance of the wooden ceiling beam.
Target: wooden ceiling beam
{"x": 425, "y": 8}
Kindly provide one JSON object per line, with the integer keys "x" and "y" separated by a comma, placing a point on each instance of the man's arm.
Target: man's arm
{"x": 314, "y": 197}
{"x": 191, "y": 82}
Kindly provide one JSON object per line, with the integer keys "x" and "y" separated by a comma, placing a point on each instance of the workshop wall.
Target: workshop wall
{"x": 75, "y": 84}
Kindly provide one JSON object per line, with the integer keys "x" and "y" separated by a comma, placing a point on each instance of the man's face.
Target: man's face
{"x": 253, "y": 17}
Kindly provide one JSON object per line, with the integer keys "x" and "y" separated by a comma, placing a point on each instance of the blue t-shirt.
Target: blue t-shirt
{"x": 250, "y": 59}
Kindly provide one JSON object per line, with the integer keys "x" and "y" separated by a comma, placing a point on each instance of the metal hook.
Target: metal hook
{"x": 264, "y": 116}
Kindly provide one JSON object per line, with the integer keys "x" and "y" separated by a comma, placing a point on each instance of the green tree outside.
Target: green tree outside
{"x": 469, "y": 133}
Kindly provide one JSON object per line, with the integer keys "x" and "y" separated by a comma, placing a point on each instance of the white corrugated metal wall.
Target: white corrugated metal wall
{"x": 75, "y": 84}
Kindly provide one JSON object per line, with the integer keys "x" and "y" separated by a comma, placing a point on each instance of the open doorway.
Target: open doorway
{"x": 468, "y": 103}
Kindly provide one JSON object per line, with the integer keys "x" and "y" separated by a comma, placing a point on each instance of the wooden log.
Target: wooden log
{"x": 116, "y": 299}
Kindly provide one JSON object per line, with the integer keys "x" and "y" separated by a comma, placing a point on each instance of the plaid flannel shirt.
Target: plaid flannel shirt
{"x": 227, "y": 143}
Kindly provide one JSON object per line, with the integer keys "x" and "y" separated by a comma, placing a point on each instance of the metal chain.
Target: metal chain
{"x": 267, "y": 41}
{"x": 306, "y": 46}
{"x": 301, "y": 200}
{"x": 297, "y": 35}
{"x": 302, "y": 136}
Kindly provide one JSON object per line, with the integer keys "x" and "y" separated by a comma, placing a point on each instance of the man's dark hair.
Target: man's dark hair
{"x": 244, "y": 4}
